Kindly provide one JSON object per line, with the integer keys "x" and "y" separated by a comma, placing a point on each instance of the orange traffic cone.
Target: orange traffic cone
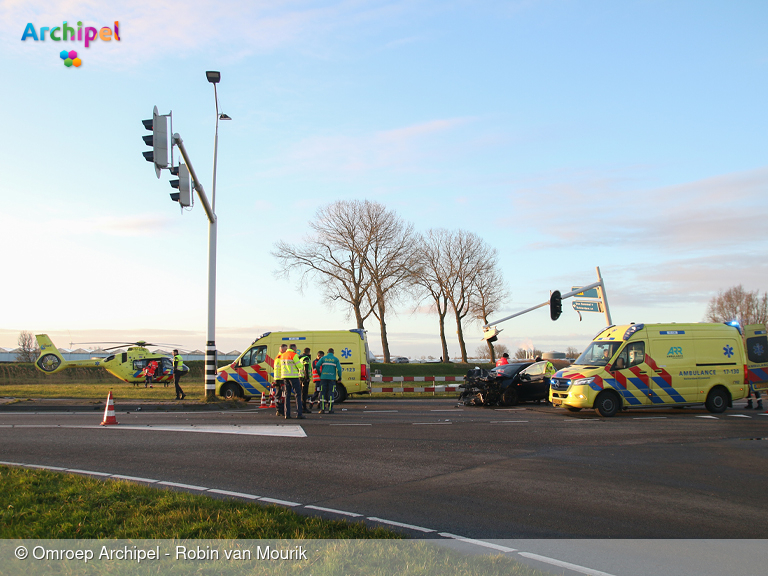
{"x": 109, "y": 411}
{"x": 272, "y": 403}
{"x": 263, "y": 400}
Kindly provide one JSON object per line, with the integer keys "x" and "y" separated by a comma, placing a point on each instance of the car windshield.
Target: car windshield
{"x": 508, "y": 369}
{"x": 598, "y": 354}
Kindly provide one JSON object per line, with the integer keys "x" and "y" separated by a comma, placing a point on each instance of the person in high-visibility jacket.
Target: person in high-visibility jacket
{"x": 306, "y": 359}
{"x": 316, "y": 380}
{"x": 178, "y": 369}
{"x": 288, "y": 368}
{"x": 329, "y": 368}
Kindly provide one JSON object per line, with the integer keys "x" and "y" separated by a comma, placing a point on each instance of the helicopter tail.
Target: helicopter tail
{"x": 50, "y": 359}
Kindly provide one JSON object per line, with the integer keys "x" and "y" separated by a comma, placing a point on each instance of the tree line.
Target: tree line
{"x": 367, "y": 257}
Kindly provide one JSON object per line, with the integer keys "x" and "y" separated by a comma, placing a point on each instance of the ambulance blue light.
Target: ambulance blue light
{"x": 632, "y": 329}
{"x": 735, "y": 324}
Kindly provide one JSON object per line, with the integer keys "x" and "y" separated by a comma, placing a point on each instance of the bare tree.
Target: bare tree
{"x": 488, "y": 293}
{"x": 571, "y": 352}
{"x": 334, "y": 255}
{"x": 738, "y": 304}
{"x": 484, "y": 352}
{"x": 428, "y": 277}
{"x": 28, "y": 348}
{"x": 389, "y": 261}
{"x": 467, "y": 257}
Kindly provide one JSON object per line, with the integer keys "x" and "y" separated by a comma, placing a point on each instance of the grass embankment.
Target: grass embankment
{"x": 43, "y": 505}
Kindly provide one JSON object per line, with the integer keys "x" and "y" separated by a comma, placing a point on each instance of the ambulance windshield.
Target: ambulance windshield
{"x": 598, "y": 354}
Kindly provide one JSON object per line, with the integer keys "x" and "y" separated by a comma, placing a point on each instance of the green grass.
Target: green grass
{"x": 88, "y": 514}
{"x": 43, "y": 504}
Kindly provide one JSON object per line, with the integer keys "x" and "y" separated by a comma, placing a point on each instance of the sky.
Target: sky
{"x": 630, "y": 136}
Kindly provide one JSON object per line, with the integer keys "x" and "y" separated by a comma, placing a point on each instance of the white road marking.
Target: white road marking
{"x": 400, "y": 524}
{"x": 235, "y": 494}
{"x": 333, "y": 511}
{"x": 712, "y": 417}
{"x": 582, "y": 420}
{"x": 738, "y": 416}
{"x": 133, "y": 478}
{"x": 89, "y": 472}
{"x": 451, "y": 410}
{"x": 282, "y": 430}
{"x": 478, "y": 542}
{"x": 561, "y": 564}
{"x": 281, "y": 502}
{"x": 507, "y": 409}
{"x": 351, "y": 424}
{"x": 378, "y": 411}
{"x": 650, "y": 418}
{"x": 185, "y": 486}
{"x": 429, "y": 423}
{"x": 506, "y": 421}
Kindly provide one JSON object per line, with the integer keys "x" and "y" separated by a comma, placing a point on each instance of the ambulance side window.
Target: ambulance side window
{"x": 635, "y": 353}
{"x": 259, "y": 355}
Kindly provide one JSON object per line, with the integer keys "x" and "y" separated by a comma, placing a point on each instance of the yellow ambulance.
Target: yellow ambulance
{"x": 253, "y": 371}
{"x": 650, "y": 365}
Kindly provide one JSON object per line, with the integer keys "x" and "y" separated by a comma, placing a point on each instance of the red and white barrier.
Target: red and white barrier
{"x": 417, "y": 378}
{"x": 424, "y": 389}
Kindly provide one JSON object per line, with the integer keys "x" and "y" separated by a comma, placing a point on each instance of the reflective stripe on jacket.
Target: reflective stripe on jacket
{"x": 288, "y": 365}
{"x": 329, "y": 366}
{"x": 315, "y": 374}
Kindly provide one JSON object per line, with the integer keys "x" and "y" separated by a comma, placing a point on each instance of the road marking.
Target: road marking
{"x": 350, "y": 424}
{"x": 133, "y": 478}
{"x": 282, "y": 430}
{"x": 400, "y": 524}
{"x": 712, "y": 417}
{"x": 333, "y": 511}
{"x": 738, "y": 416}
{"x": 650, "y": 418}
{"x": 378, "y": 411}
{"x": 478, "y": 542}
{"x": 507, "y": 409}
{"x": 451, "y": 410}
{"x": 582, "y": 420}
{"x": 506, "y": 421}
{"x": 561, "y": 564}
{"x": 429, "y": 423}
{"x": 185, "y": 486}
{"x": 235, "y": 494}
{"x": 281, "y": 502}
{"x": 89, "y": 472}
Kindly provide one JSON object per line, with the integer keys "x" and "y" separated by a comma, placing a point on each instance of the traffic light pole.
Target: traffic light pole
{"x": 210, "y": 348}
{"x": 598, "y": 285}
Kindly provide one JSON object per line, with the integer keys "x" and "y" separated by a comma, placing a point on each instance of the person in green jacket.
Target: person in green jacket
{"x": 329, "y": 369}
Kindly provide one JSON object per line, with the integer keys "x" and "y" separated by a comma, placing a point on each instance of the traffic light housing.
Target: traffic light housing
{"x": 158, "y": 125}
{"x": 183, "y": 184}
{"x": 491, "y": 334}
{"x": 555, "y": 305}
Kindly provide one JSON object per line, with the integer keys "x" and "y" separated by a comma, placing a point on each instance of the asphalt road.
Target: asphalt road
{"x": 531, "y": 472}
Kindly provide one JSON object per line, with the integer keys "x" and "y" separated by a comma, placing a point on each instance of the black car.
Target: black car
{"x": 505, "y": 385}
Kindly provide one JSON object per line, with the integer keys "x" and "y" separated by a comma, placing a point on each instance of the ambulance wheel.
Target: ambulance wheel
{"x": 607, "y": 404}
{"x": 717, "y": 401}
{"x": 231, "y": 391}
{"x": 339, "y": 394}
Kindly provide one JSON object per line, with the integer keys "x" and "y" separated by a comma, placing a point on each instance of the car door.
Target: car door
{"x": 533, "y": 383}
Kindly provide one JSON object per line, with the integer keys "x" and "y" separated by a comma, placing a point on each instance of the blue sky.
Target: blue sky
{"x": 568, "y": 134}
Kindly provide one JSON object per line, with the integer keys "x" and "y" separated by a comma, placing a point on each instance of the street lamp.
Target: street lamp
{"x": 210, "y": 347}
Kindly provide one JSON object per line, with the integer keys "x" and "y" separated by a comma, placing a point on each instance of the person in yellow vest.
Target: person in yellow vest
{"x": 178, "y": 368}
{"x": 289, "y": 368}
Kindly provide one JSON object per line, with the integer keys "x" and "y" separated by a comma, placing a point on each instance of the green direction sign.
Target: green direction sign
{"x": 591, "y": 293}
{"x": 587, "y": 305}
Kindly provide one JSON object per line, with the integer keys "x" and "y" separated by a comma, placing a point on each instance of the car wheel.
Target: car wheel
{"x": 509, "y": 397}
{"x": 231, "y": 391}
{"x": 573, "y": 409}
{"x": 717, "y": 401}
{"x": 607, "y": 404}
{"x": 339, "y": 394}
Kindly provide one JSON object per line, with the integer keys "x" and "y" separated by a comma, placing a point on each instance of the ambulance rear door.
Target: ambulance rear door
{"x": 756, "y": 341}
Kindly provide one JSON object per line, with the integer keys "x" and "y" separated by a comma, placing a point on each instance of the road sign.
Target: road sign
{"x": 587, "y": 305}
{"x": 591, "y": 293}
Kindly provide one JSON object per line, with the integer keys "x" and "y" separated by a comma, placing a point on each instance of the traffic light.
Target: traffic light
{"x": 183, "y": 184}
{"x": 158, "y": 140}
{"x": 555, "y": 305}
{"x": 491, "y": 334}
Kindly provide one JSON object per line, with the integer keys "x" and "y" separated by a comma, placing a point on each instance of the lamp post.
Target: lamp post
{"x": 210, "y": 346}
